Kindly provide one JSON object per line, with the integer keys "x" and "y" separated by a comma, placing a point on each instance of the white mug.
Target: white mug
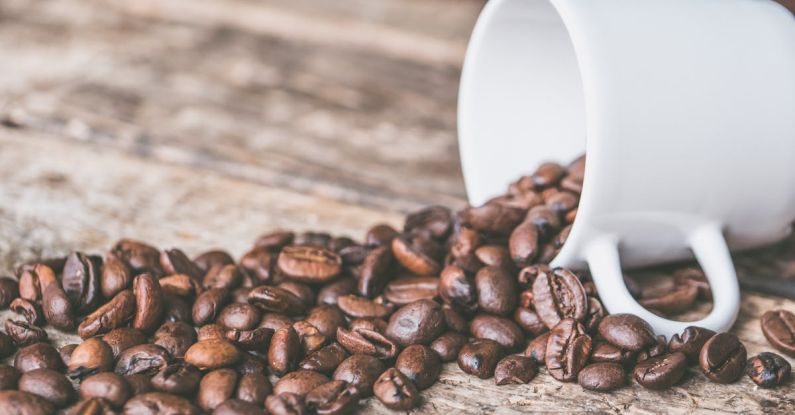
{"x": 685, "y": 109}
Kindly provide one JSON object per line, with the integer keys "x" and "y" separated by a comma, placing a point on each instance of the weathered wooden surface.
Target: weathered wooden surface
{"x": 200, "y": 124}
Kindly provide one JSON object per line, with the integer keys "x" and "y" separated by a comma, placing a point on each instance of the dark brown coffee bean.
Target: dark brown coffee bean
{"x": 66, "y": 353}
{"x": 9, "y": 290}
{"x": 380, "y": 235}
{"x": 139, "y": 383}
{"x": 23, "y": 333}
{"x": 299, "y": 382}
{"x": 212, "y": 354}
{"x": 309, "y": 336}
{"x": 208, "y": 305}
{"x": 122, "y": 338}
{"x": 602, "y": 377}
{"x": 768, "y": 370}
{"x": 493, "y": 218}
{"x": 7, "y": 346}
{"x": 479, "y": 357}
{"x": 176, "y": 337}
{"x": 361, "y": 371}
{"x": 48, "y": 384}
{"x": 495, "y": 256}
{"x": 465, "y": 241}
{"x": 89, "y": 358}
{"x": 497, "y": 291}
{"x": 309, "y": 264}
{"x": 284, "y": 350}
{"x": 177, "y": 378}
{"x": 454, "y": 320}
{"x": 251, "y": 363}
{"x": 376, "y": 271}
{"x": 458, "y": 289}
{"x": 419, "y": 322}
{"x": 627, "y": 332}
{"x": 253, "y": 387}
{"x": 529, "y": 321}
{"x": 23, "y": 403}
{"x": 448, "y": 345}
{"x": 661, "y": 372}
{"x": 396, "y": 391}
{"x": 568, "y": 348}
{"x": 211, "y": 258}
{"x": 418, "y": 254}
{"x": 276, "y": 299}
{"x": 304, "y": 292}
{"x": 500, "y": 329}
{"x": 223, "y": 276}
{"x": 409, "y": 289}
{"x": 676, "y": 301}
{"x": 174, "y": 261}
{"x": 723, "y": 358}
{"x": 107, "y": 317}
{"x": 108, "y": 386}
{"x": 367, "y": 342}
{"x": 312, "y": 238}
{"x": 216, "y": 387}
{"x": 547, "y": 174}
{"x": 562, "y": 202}
{"x": 57, "y": 309}
{"x": 336, "y": 397}
{"x": 259, "y": 263}
{"x": 558, "y": 295}
{"x": 375, "y": 324}
{"x": 657, "y": 349}
{"x": 180, "y": 285}
{"x": 286, "y": 404}
{"x": 360, "y": 307}
{"x": 80, "y": 281}
{"x": 116, "y": 276}
{"x": 145, "y": 359}
{"x": 515, "y": 369}
{"x": 696, "y": 277}
{"x": 29, "y": 310}
{"x": 420, "y": 364}
{"x": 546, "y": 221}
{"x": 9, "y": 376}
{"x": 275, "y": 321}
{"x": 353, "y": 255}
{"x": 690, "y": 342}
{"x": 138, "y": 255}
{"x": 523, "y": 243}
{"x": 325, "y": 360}
{"x": 275, "y": 240}
{"x": 38, "y": 356}
{"x": 155, "y": 403}
{"x": 331, "y": 292}
{"x": 256, "y": 339}
{"x": 596, "y": 312}
{"x": 238, "y": 407}
{"x": 604, "y": 352}
{"x": 326, "y": 318}
{"x": 433, "y": 221}
{"x": 176, "y": 309}
{"x": 31, "y": 280}
{"x": 241, "y": 316}
{"x": 537, "y": 349}
{"x": 148, "y": 303}
{"x": 778, "y": 326}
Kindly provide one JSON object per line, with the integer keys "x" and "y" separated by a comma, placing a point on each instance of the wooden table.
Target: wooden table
{"x": 201, "y": 124}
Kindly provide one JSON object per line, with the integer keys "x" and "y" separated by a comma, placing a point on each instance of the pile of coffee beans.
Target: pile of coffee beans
{"x": 311, "y": 323}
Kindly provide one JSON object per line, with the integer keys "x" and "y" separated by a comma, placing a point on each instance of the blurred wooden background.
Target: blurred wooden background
{"x": 198, "y": 123}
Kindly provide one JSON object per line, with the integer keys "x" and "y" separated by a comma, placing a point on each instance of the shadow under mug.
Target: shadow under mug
{"x": 685, "y": 109}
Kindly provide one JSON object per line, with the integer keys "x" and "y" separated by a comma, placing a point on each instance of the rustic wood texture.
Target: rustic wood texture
{"x": 201, "y": 124}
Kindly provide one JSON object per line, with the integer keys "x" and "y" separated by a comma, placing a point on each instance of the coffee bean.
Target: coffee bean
{"x": 241, "y": 316}
{"x": 661, "y": 372}
{"x": 418, "y": 254}
{"x": 500, "y": 329}
{"x": 90, "y": 357}
{"x": 659, "y": 348}
{"x": 253, "y": 387}
{"x": 529, "y": 321}
{"x": 80, "y": 281}
{"x": 558, "y": 295}
{"x": 420, "y": 364}
{"x": 778, "y": 326}
{"x": 493, "y": 218}
{"x": 174, "y": 261}
{"x": 568, "y": 348}
{"x": 148, "y": 303}
{"x": 309, "y": 264}
{"x": 547, "y": 174}
{"x": 312, "y": 238}
{"x": 23, "y": 333}
{"x": 175, "y": 337}
{"x": 433, "y": 221}
{"x": 479, "y": 357}
{"x": 448, "y": 345}
{"x": 604, "y": 352}
{"x": 139, "y": 383}
{"x": 7, "y": 347}
{"x": 216, "y": 387}
{"x": 116, "y": 276}
{"x": 419, "y": 322}
{"x": 359, "y": 307}
{"x": 368, "y": 342}
{"x": 29, "y": 310}
{"x": 208, "y": 305}
{"x": 275, "y": 240}
{"x": 180, "y": 285}
{"x": 361, "y": 371}
{"x": 375, "y": 324}
{"x": 496, "y": 290}
{"x": 154, "y": 403}
{"x": 211, "y": 258}
{"x": 9, "y": 290}
{"x": 602, "y": 377}
{"x": 396, "y": 391}
{"x": 627, "y": 332}
{"x": 409, "y": 289}
{"x": 22, "y": 403}
{"x": 695, "y": 277}
{"x": 9, "y": 376}
{"x": 276, "y": 299}
{"x": 122, "y": 338}
{"x": 32, "y": 281}
{"x": 458, "y": 289}
{"x": 177, "y": 378}
{"x": 562, "y": 202}
{"x": 768, "y": 370}
{"x": 108, "y": 386}
{"x": 299, "y": 382}
{"x": 284, "y": 350}
{"x": 238, "y": 407}
{"x": 285, "y": 404}
{"x": 376, "y": 271}
{"x": 514, "y": 369}
{"x": 304, "y": 292}
{"x": 138, "y": 255}
{"x": 676, "y": 301}
{"x": 251, "y": 363}
{"x": 537, "y": 349}
{"x": 326, "y": 318}
{"x": 260, "y": 263}
{"x": 38, "y": 356}
{"x": 145, "y": 359}
{"x": 523, "y": 243}
{"x": 380, "y": 235}
{"x": 325, "y": 360}
{"x": 309, "y": 336}
{"x": 109, "y": 316}
{"x": 275, "y": 321}
{"x": 57, "y": 308}
{"x": 336, "y": 397}
{"x": 723, "y": 358}
{"x": 690, "y": 342}
{"x": 498, "y": 256}
{"x": 48, "y": 384}
{"x": 212, "y": 354}
{"x": 223, "y": 276}
{"x": 176, "y": 309}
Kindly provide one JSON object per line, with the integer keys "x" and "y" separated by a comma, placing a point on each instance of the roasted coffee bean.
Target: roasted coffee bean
{"x": 174, "y": 261}
{"x": 562, "y": 202}
{"x": 48, "y": 384}
{"x": 768, "y": 370}
{"x": 56, "y": 308}
{"x": 9, "y": 376}
{"x": 678, "y": 300}
{"x": 138, "y": 255}
{"x": 176, "y": 309}
{"x": 657, "y": 349}
{"x": 359, "y": 307}
{"x": 361, "y": 371}
{"x": 336, "y": 397}
{"x": 309, "y": 336}
{"x": 695, "y": 277}
{"x": 515, "y": 369}
{"x": 276, "y": 299}
{"x": 211, "y": 258}
{"x": 458, "y": 289}
{"x": 479, "y": 357}
{"x": 367, "y": 342}
{"x": 38, "y": 356}
{"x": 23, "y": 403}
{"x": 419, "y": 322}
{"x": 251, "y": 363}
{"x": 493, "y": 218}
{"x": 500, "y": 329}
{"x": 627, "y": 332}
{"x": 529, "y": 321}
{"x": 275, "y": 321}
{"x": 778, "y": 326}
{"x": 661, "y": 372}
{"x": 546, "y": 221}
{"x": 122, "y": 338}
{"x": 495, "y": 256}
{"x": 91, "y": 406}
{"x": 253, "y": 387}
{"x": 420, "y": 364}
{"x": 240, "y": 316}
{"x": 177, "y": 378}
{"x": 148, "y": 303}
{"x": 208, "y": 305}
{"x": 723, "y": 358}
{"x": 145, "y": 359}
{"x": 309, "y": 264}
{"x": 80, "y": 281}
{"x": 376, "y": 271}
{"x": 418, "y": 254}
{"x": 285, "y": 404}
{"x": 338, "y": 243}
{"x": 90, "y": 357}
{"x": 568, "y": 348}
{"x": 299, "y": 382}
{"x": 9, "y": 290}
{"x": 325, "y": 360}
{"x": 454, "y": 320}
{"x": 380, "y": 235}
{"x": 32, "y": 281}
{"x": 433, "y": 221}
{"x": 464, "y": 241}
{"x": 275, "y": 240}
{"x": 304, "y": 292}
{"x": 312, "y": 239}
{"x": 216, "y": 387}
{"x": 409, "y": 289}
{"x": 604, "y": 352}
{"x": 66, "y": 353}
{"x": 284, "y": 350}
{"x": 331, "y": 292}
{"x": 176, "y": 337}
{"x": 558, "y": 295}
{"x": 7, "y": 347}
{"x": 448, "y": 345}
{"x": 602, "y": 377}
{"x": 256, "y": 339}
{"x": 497, "y": 291}
{"x": 116, "y": 276}
{"x": 375, "y": 324}
{"x": 353, "y": 255}
{"x": 107, "y": 317}
{"x": 396, "y": 391}
{"x": 212, "y": 354}
{"x": 690, "y": 342}
{"x": 223, "y": 276}
{"x": 28, "y": 309}
{"x": 238, "y": 407}
{"x": 547, "y": 174}
{"x": 259, "y": 263}
{"x": 108, "y": 386}
{"x": 155, "y": 403}
{"x": 23, "y": 333}
{"x": 523, "y": 243}
{"x": 180, "y": 285}
{"x": 596, "y": 312}
{"x": 139, "y": 383}
{"x": 537, "y": 349}
{"x": 326, "y": 318}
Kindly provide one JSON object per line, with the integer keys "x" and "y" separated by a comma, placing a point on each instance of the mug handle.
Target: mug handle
{"x": 712, "y": 253}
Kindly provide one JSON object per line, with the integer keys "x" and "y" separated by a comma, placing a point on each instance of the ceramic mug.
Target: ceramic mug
{"x": 686, "y": 109}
